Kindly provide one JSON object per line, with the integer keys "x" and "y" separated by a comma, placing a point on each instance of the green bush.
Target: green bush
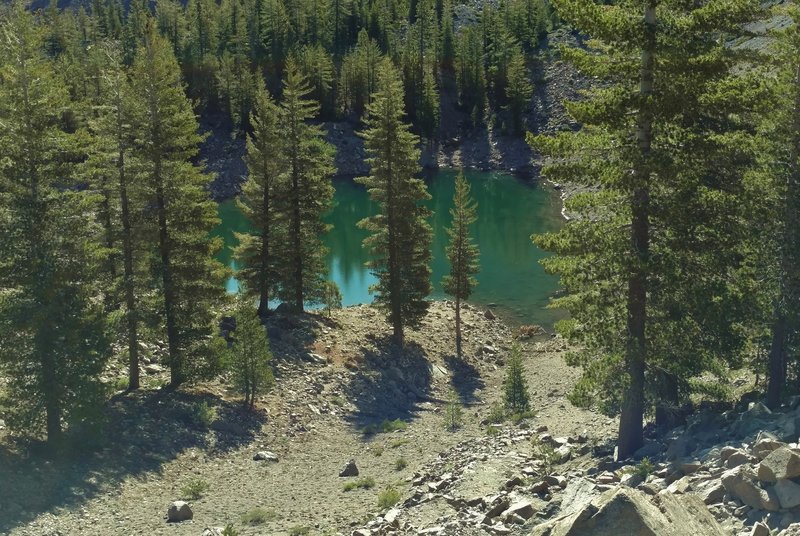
{"x": 515, "y": 386}
{"x": 259, "y": 516}
{"x": 331, "y": 297}
{"x": 388, "y": 497}
{"x": 386, "y": 427}
{"x": 400, "y": 464}
{"x": 204, "y": 414}
{"x": 497, "y": 414}
{"x": 299, "y": 530}
{"x": 517, "y": 418}
{"x": 194, "y": 489}
{"x": 229, "y": 530}
{"x": 399, "y": 442}
{"x": 365, "y": 482}
{"x": 377, "y": 450}
{"x": 453, "y": 414}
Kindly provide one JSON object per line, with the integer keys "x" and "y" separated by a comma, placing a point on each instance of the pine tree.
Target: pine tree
{"x": 519, "y": 91}
{"x": 255, "y": 254}
{"x": 448, "y": 37}
{"x": 777, "y": 189}
{"x": 400, "y": 235}
{"x": 470, "y": 74}
{"x": 461, "y": 251}
{"x": 307, "y": 194}
{"x": 248, "y": 357}
{"x": 647, "y": 265}
{"x": 189, "y": 277}
{"x": 515, "y": 386}
{"x": 53, "y": 332}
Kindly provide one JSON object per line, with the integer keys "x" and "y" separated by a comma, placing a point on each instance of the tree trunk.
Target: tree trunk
{"x": 394, "y": 265}
{"x": 263, "y": 304}
{"x": 53, "y": 421}
{"x": 129, "y": 282}
{"x": 458, "y": 327}
{"x": 175, "y": 360}
{"x": 632, "y": 418}
{"x": 777, "y": 361}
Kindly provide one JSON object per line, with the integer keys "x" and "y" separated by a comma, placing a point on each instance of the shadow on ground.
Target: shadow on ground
{"x": 144, "y": 431}
{"x": 465, "y": 380}
{"x": 390, "y": 384}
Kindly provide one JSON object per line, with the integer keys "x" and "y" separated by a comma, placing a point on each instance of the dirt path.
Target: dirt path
{"x": 312, "y": 420}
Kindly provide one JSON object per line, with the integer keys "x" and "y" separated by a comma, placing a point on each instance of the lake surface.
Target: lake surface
{"x": 509, "y": 211}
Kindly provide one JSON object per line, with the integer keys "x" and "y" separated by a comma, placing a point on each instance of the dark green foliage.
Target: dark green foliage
{"x": 248, "y": 356}
{"x": 53, "y": 332}
{"x": 515, "y": 386}
{"x": 519, "y": 91}
{"x": 461, "y": 251}
{"x": 306, "y": 193}
{"x": 259, "y": 268}
{"x": 400, "y": 234}
{"x": 183, "y": 215}
{"x": 650, "y": 266}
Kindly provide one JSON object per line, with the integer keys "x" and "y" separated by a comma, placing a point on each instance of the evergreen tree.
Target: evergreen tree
{"x": 359, "y": 74}
{"x": 255, "y": 254}
{"x": 461, "y": 251}
{"x": 166, "y": 142}
{"x": 470, "y": 74}
{"x": 248, "y": 357}
{"x": 647, "y": 269}
{"x": 515, "y": 386}
{"x": 400, "y": 235}
{"x": 519, "y": 91}
{"x": 307, "y": 193}
{"x": 53, "y": 332}
{"x": 448, "y": 37}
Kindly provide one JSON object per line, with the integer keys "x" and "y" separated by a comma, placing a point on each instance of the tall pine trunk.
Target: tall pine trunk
{"x": 788, "y": 285}
{"x": 458, "y": 327}
{"x": 394, "y": 265}
{"x": 129, "y": 283}
{"x": 297, "y": 241}
{"x": 175, "y": 365}
{"x": 632, "y": 417}
{"x": 263, "y": 291}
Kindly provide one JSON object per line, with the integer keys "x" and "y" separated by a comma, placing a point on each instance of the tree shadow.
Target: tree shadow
{"x": 390, "y": 384}
{"x": 144, "y": 430}
{"x": 465, "y": 378}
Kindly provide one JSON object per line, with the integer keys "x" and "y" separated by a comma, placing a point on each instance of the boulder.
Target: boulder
{"x": 179, "y": 511}
{"x": 788, "y": 493}
{"x": 627, "y": 511}
{"x": 265, "y": 455}
{"x": 213, "y": 531}
{"x": 523, "y": 509}
{"x": 737, "y": 458}
{"x": 713, "y": 494}
{"x": 739, "y": 483}
{"x": 781, "y": 463}
{"x": 498, "y": 508}
{"x": 349, "y": 469}
{"x": 760, "y": 529}
{"x": 765, "y": 444}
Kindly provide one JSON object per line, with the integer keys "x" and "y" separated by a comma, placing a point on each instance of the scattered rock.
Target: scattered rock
{"x": 760, "y": 529}
{"x": 179, "y": 511}
{"x": 265, "y": 455}
{"x": 349, "y": 469}
{"x": 740, "y": 484}
{"x": 523, "y": 509}
{"x": 788, "y": 493}
{"x": 781, "y": 463}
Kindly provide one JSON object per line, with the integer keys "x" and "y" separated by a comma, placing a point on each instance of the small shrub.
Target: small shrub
{"x": 453, "y": 414}
{"x": 299, "y": 530}
{"x": 546, "y": 454}
{"x": 338, "y": 401}
{"x": 515, "y": 385}
{"x": 377, "y": 450}
{"x": 386, "y": 427}
{"x": 644, "y": 468}
{"x": 492, "y": 431}
{"x": 259, "y": 516}
{"x": 497, "y": 414}
{"x": 229, "y": 530}
{"x": 121, "y": 383}
{"x": 398, "y": 442}
{"x": 517, "y": 418}
{"x": 365, "y": 482}
{"x": 204, "y": 414}
{"x": 400, "y": 464}
{"x": 194, "y": 489}
{"x": 388, "y": 497}
{"x": 331, "y": 297}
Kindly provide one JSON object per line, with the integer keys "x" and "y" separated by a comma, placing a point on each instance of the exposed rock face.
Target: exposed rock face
{"x": 626, "y": 511}
{"x": 740, "y": 483}
{"x": 781, "y": 463}
{"x": 265, "y": 455}
{"x": 179, "y": 511}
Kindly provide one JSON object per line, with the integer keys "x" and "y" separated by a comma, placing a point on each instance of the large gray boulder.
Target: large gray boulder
{"x": 788, "y": 493}
{"x": 740, "y": 483}
{"x": 179, "y": 511}
{"x": 781, "y": 463}
{"x": 628, "y": 511}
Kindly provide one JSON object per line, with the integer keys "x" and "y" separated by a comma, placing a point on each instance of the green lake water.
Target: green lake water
{"x": 509, "y": 211}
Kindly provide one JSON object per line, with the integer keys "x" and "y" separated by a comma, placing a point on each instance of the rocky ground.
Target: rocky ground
{"x": 334, "y": 378}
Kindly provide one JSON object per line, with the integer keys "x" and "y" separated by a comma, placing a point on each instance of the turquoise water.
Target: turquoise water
{"x": 509, "y": 211}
